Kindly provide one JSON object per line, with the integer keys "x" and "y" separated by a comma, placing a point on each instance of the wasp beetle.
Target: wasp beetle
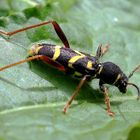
{"x": 81, "y": 65}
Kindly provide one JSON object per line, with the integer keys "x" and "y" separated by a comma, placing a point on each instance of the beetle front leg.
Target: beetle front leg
{"x": 107, "y": 101}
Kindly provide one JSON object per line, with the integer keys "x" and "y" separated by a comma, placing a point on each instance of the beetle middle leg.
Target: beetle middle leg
{"x": 83, "y": 80}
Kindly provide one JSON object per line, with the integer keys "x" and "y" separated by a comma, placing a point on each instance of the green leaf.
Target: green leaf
{"x": 134, "y": 133}
{"x": 33, "y": 95}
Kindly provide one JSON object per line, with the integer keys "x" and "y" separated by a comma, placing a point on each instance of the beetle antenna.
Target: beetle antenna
{"x": 135, "y": 69}
{"x": 99, "y": 52}
{"x": 136, "y": 88}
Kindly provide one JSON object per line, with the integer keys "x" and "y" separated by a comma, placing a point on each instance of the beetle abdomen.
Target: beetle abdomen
{"x": 75, "y": 62}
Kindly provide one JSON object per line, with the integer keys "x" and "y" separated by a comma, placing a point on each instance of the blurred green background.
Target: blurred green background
{"x": 32, "y": 98}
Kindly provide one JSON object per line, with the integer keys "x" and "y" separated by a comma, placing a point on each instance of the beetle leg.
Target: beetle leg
{"x": 41, "y": 57}
{"x": 57, "y": 28}
{"x": 83, "y": 80}
{"x": 107, "y": 101}
{"x": 22, "y": 61}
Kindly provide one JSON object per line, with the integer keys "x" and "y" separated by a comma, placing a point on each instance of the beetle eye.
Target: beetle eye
{"x": 124, "y": 83}
{"x": 99, "y": 65}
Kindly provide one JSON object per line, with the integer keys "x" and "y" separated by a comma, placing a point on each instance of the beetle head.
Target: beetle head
{"x": 123, "y": 82}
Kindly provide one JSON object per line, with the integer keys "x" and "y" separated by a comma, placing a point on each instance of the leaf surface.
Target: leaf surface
{"x": 32, "y": 96}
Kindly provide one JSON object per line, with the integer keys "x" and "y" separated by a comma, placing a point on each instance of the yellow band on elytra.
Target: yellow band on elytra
{"x": 89, "y": 64}
{"x": 74, "y": 59}
{"x": 37, "y": 49}
{"x": 56, "y": 53}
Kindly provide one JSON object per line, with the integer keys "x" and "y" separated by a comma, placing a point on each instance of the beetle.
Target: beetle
{"x": 84, "y": 66}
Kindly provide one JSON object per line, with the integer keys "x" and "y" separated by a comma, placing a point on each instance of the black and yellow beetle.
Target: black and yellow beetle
{"x": 79, "y": 64}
